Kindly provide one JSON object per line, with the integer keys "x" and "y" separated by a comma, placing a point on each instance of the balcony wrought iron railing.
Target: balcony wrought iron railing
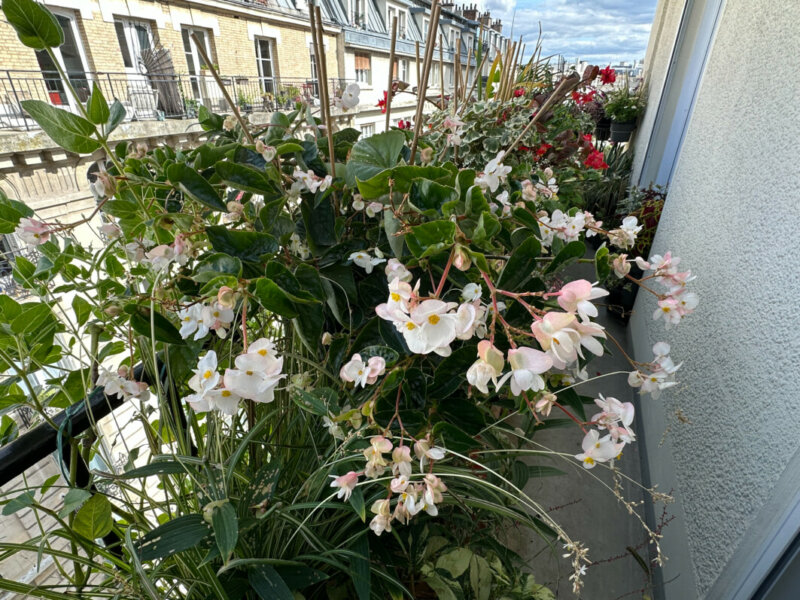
{"x": 8, "y": 254}
{"x": 154, "y": 96}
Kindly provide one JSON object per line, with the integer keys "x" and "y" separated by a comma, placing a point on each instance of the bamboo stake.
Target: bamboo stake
{"x": 441, "y": 71}
{"x": 418, "y": 74}
{"x": 466, "y": 78}
{"x": 566, "y": 85}
{"x": 423, "y": 86}
{"x": 474, "y": 83}
{"x": 322, "y": 71}
{"x": 391, "y": 72}
{"x": 202, "y": 51}
{"x": 457, "y": 74}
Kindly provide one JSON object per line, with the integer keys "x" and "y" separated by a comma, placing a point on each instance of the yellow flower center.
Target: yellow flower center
{"x": 207, "y": 375}
{"x": 433, "y": 319}
{"x": 248, "y": 372}
{"x": 360, "y": 372}
{"x": 597, "y": 445}
{"x": 216, "y": 314}
{"x": 263, "y": 352}
{"x": 395, "y": 296}
{"x": 410, "y": 326}
{"x": 588, "y": 460}
{"x": 665, "y": 309}
{"x": 225, "y": 393}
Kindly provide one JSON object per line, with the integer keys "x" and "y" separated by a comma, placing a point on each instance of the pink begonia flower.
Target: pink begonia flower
{"x": 597, "y": 449}
{"x": 588, "y": 332}
{"x": 32, "y": 232}
{"x": 425, "y": 452}
{"x": 383, "y": 518}
{"x": 376, "y": 463}
{"x": 110, "y": 230}
{"x": 396, "y": 270}
{"x": 399, "y": 484}
{"x": 621, "y": 266}
{"x": 363, "y": 373}
{"x": 527, "y": 366}
{"x": 576, "y": 296}
{"x": 668, "y": 309}
{"x": 373, "y": 209}
{"x": 557, "y": 334}
{"x": 545, "y": 403}
{"x": 488, "y": 367}
{"x": 161, "y": 257}
{"x": 401, "y": 461}
{"x": 346, "y": 484}
{"x": 616, "y": 417}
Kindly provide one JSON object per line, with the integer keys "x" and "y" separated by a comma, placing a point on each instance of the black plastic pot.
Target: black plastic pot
{"x": 621, "y": 132}
{"x": 602, "y": 130}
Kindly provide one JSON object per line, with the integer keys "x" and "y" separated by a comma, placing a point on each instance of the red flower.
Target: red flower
{"x": 542, "y": 150}
{"x": 382, "y": 103}
{"x": 607, "y": 75}
{"x": 519, "y": 92}
{"x": 587, "y": 137}
{"x": 404, "y": 124}
{"x": 580, "y": 98}
{"x": 595, "y": 160}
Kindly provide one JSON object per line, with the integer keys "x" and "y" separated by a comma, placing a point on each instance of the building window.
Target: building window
{"x": 359, "y": 12}
{"x": 71, "y": 58}
{"x": 425, "y": 28}
{"x": 266, "y": 66}
{"x": 133, "y": 37}
{"x": 401, "y": 25}
{"x": 314, "y": 76}
{"x": 400, "y": 69}
{"x": 363, "y": 68}
{"x": 391, "y": 12}
{"x": 194, "y": 61}
{"x": 367, "y": 130}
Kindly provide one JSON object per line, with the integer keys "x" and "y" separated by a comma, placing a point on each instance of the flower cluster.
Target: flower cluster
{"x": 119, "y": 384}
{"x": 257, "y": 373}
{"x": 677, "y": 302}
{"x": 32, "y": 232}
{"x": 494, "y": 173}
{"x": 362, "y": 372}
{"x": 200, "y": 319}
{"x": 312, "y": 182}
{"x": 655, "y": 376}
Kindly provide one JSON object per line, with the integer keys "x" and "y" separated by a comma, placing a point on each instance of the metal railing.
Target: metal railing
{"x": 155, "y": 96}
{"x": 8, "y": 256}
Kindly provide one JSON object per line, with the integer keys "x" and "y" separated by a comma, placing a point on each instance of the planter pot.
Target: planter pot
{"x": 621, "y": 132}
{"x": 602, "y": 130}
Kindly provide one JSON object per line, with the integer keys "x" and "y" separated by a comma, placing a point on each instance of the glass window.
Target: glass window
{"x": 401, "y": 25}
{"x": 266, "y": 71}
{"x": 123, "y": 44}
{"x": 367, "y": 130}
{"x": 363, "y": 68}
{"x": 69, "y": 55}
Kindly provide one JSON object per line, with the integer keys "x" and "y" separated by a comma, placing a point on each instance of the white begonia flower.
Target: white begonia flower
{"x": 401, "y": 461}
{"x": 494, "y": 173}
{"x": 350, "y": 96}
{"x": 363, "y": 373}
{"x": 597, "y": 449}
{"x": 471, "y": 292}
{"x": 358, "y": 202}
{"x": 257, "y": 373}
{"x": 161, "y": 257}
{"x": 527, "y": 366}
{"x": 346, "y": 484}
{"x": 205, "y": 375}
{"x": 191, "y": 318}
{"x": 382, "y": 521}
{"x": 621, "y": 266}
{"x": 435, "y": 327}
{"x": 625, "y": 235}
{"x": 576, "y": 296}
{"x": 223, "y": 400}
{"x": 397, "y": 270}
{"x": 365, "y": 260}
{"x": 376, "y": 463}
{"x": 373, "y": 209}
{"x": 424, "y": 452}
{"x": 467, "y": 321}
{"x": 488, "y": 367}
{"x": 616, "y": 417}
{"x": 558, "y": 336}
{"x": 217, "y": 318}
{"x": 110, "y": 230}
{"x": 588, "y": 332}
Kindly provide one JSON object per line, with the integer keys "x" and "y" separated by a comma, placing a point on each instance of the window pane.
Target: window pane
{"x": 123, "y": 44}
{"x": 143, "y": 33}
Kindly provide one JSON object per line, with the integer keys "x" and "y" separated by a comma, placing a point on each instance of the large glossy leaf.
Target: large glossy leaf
{"x": 194, "y": 185}
{"x": 116, "y": 114}
{"x": 268, "y": 584}
{"x": 521, "y": 265}
{"x": 602, "y": 264}
{"x": 226, "y": 528}
{"x": 274, "y": 299}
{"x": 430, "y": 238}
{"x": 36, "y": 26}
{"x": 374, "y": 154}
{"x": 161, "y": 327}
{"x": 71, "y": 132}
{"x": 215, "y": 265}
{"x": 429, "y": 195}
{"x": 402, "y": 178}
{"x": 93, "y": 520}
{"x": 247, "y": 178}
{"x": 250, "y": 246}
{"x": 174, "y": 536}
{"x": 568, "y": 254}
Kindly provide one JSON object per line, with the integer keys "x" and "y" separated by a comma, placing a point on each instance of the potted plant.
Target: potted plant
{"x": 602, "y": 124}
{"x": 623, "y": 108}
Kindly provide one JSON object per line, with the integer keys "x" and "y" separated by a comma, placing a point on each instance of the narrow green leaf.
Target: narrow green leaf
{"x": 97, "y": 107}
{"x": 174, "y": 536}
{"x": 268, "y": 584}
{"x": 226, "y": 528}
{"x": 22, "y": 501}
{"x": 358, "y": 504}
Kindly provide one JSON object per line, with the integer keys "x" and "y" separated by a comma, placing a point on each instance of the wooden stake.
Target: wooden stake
{"x": 441, "y": 70}
{"x": 474, "y": 83}
{"x": 322, "y": 73}
{"x": 423, "y": 86}
{"x": 391, "y": 72}
{"x": 457, "y": 73}
{"x": 202, "y": 51}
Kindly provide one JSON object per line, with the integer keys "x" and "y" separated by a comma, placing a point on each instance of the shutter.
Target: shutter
{"x": 362, "y": 62}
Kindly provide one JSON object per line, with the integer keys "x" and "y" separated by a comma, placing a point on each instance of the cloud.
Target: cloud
{"x": 601, "y": 31}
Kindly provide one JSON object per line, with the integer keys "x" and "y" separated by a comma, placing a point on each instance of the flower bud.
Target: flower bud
{"x": 462, "y": 260}
{"x": 621, "y": 266}
{"x": 235, "y": 207}
{"x": 226, "y": 297}
{"x": 260, "y": 146}
{"x": 426, "y": 156}
{"x": 327, "y": 338}
{"x": 113, "y": 310}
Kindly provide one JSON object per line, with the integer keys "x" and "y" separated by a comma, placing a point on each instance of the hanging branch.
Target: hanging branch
{"x": 391, "y": 72}
{"x": 423, "y": 85}
{"x": 202, "y": 51}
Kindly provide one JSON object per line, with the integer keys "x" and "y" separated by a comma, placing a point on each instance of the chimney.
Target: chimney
{"x": 486, "y": 19}
{"x": 471, "y": 12}
{"x": 498, "y": 26}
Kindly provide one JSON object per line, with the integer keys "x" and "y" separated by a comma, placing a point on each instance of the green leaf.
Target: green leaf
{"x": 94, "y": 518}
{"x": 36, "y": 26}
{"x": 247, "y": 178}
{"x": 402, "y": 176}
{"x": 374, "y": 154}
{"x": 32, "y": 317}
{"x": 392, "y": 226}
{"x": 298, "y": 577}
{"x": 361, "y": 571}
{"x": 116, "y": 115}
{"x": 444, "y": 589}
{"x": 268, "y": 584}
{"x": 215, "y": 265}
{"x": 535, "y": 471}
{"x": 162, "y": 328}
{"x": 520, "y": 266}
{"x": 161, "y": 467}
{"x": 427, "y": 195}
{"x": 455, "y": 562}
{"x": 249, "y": 246}
{"x": 97, "y": 107}
{"x": 602, "y": 265}
{"x": 388, "y": 354}
{"x": 569, "y": 253}
{"x": 226, "y": 528}
{"x": 430, "y": 238}
{"x": 8, "y": 430}
{"x": 82, "y": 309}
{"x": 71, "y": 132}
{"x": 309, "y": 402}
{"x": 274, "y": 299}
{"x": 358, "y": 504}
{"x": 288, "y": 148}
{"x": 22, "y": 501}
{"x": 480, "y": 577}
{"x": 174, "y": 536}
{"x": 72, "y": 500}
{"x": 194, "y": 185}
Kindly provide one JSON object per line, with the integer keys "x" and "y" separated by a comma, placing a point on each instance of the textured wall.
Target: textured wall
{"x": 732, "y": 215}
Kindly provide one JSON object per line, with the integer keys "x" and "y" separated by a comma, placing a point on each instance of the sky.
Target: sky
{"x": 598, "y": 31}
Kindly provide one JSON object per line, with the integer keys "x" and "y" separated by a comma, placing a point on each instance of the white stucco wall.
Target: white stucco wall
{"x": 732, "y": 215}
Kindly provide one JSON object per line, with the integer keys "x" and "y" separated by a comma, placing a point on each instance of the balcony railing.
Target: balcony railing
{"x": 8, "y": 255}
{"x": 154, "y": 96}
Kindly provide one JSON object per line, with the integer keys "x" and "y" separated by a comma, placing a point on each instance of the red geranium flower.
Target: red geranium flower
{"x": 519, "y": 92}
{"x": 595, "y": 160}
{"x": 382, "y": 103}
{"x": 587, "y": 137}
{"x": 607, "y": 75}
{"x": 581, "y": 99}
{"x": 542, "y": 150}
{"x": 404, "y": 124}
